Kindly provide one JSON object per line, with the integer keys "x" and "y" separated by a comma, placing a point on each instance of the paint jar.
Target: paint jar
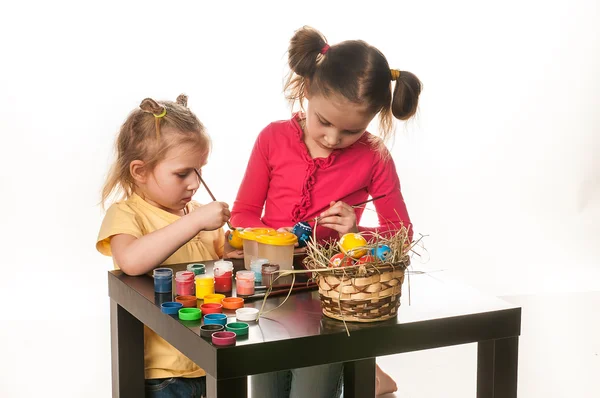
{"x": 279, "y": 249}
{"x": 205, "y": 284}
{"x": 250, "y": 245}
{"x": 256, "y": 266}
{"x": 223, "y": 272}
{"x": 269, "y": 274}
{"x": 163, "y": 280}
{"x": 197, "y": 269}
{"x": 244, "y": 283}
{"x": 184, "y": 283}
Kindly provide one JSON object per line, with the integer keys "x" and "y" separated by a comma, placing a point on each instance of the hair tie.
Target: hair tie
{"x": 395, "y": 74}
{"x": 325, "y": 49}
{"x": 162, "y": 114}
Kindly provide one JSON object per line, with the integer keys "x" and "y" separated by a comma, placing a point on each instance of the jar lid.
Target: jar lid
{"x": 162, "y": 272}
{"x": 270, "y": 267}
{"x": 184, "y": 275}
{"x": 204, "y": 280}
{"x": 245, "y": 275}
{"x": 224, "y": 265}
{"x": 252, "y": 233}
{"x": 279, "y": 239}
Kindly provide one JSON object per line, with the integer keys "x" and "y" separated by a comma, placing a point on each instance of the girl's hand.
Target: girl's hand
{"x": 339, "y": 217}
{"x": 229, "y": 251}
{"x": 213, "y": 215}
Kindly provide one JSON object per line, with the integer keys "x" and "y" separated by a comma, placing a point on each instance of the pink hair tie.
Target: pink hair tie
{"x": 325, "y": 49}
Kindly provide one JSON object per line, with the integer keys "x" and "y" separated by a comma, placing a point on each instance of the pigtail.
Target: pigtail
{"x": 406, "y": 94}
{"x": 148, "y": 105}
{"x": 307, "y": 49}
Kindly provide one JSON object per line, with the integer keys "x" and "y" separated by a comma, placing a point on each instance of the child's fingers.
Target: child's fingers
{"x": 334, "y": 219}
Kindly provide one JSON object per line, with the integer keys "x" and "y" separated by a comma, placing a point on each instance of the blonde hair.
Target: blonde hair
{"x": 147, "y": 134}
{"x": 355, "y": 70}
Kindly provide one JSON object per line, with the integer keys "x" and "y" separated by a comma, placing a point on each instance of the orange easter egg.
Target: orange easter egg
{"x": 340, "y": 260}
{"x": 366, "y": 259}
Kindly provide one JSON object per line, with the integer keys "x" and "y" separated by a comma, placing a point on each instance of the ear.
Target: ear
{"x": 137, "y": 169}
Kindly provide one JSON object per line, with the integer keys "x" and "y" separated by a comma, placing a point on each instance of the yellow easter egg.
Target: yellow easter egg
{"x": 235, "y": 240}
{"x": 353, "y": 245}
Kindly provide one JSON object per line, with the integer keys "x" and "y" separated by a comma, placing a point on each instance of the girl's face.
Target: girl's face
{"x": 173, "y": 182}
{"x": 333, "y": 123}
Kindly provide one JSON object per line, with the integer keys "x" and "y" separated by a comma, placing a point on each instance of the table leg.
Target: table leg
{"x": 497, "y": 362}
{"x": 359, "y": 378}
{"x": 127, "y": 352}
{"x": 226, "y": 388}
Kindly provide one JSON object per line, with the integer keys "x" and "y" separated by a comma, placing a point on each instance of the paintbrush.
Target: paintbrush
{"x": 211, "y": 194}
{"x": 278, "y": 292}
{"x": 353, "y": 206}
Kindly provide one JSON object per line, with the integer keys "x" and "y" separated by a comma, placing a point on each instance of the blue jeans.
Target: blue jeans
{"x": 323, "y": 381}
{"x": 176, "y": 387}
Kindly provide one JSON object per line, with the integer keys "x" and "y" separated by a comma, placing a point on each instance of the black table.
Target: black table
{"x": 443, "y": 312}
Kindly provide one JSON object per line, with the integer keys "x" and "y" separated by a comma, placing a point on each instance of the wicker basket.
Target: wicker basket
{"x": 362, "y": 294}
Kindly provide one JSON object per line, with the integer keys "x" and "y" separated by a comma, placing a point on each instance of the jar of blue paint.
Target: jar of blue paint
{"x": 163, "y": 280}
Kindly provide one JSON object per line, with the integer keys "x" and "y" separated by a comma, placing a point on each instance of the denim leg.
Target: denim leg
{"x": 323, "y": 381}
{"x": 176, "y": 387}
{"x": 271, "y": 385}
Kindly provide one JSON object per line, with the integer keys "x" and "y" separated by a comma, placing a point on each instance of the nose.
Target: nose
{"x": 194, "y": 182}
{"x": 332, "y": 137}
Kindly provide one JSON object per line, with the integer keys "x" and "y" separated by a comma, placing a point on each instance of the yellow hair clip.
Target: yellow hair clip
{"x": 162, "y": 114}
{"x": 395, "y": 74}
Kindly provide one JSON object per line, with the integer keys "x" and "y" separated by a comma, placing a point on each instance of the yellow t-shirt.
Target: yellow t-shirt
{"x": 137, "y": 217}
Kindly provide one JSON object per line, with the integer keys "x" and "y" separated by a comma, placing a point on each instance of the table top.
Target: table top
{"x": 442, "y": 312}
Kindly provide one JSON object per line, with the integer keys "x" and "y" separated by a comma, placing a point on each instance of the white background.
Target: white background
{"x": 498, "y": 169}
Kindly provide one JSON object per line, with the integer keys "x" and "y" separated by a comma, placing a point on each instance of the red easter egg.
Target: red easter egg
{"x": 340, "y": 260}
{"x": 366, "y": 259}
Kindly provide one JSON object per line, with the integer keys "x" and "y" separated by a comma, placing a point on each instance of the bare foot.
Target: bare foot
{"x": 384, "y": 384}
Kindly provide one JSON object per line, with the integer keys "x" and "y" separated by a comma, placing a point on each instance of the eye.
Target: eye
{"x": 323, "y": 123}
{"x": 182, "y": 175}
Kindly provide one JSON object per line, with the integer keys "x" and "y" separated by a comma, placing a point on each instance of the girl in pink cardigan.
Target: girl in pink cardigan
{"x": 324, "y": 157}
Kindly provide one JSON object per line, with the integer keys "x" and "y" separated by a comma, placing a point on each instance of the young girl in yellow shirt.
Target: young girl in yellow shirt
{"x": 154, "y": 222}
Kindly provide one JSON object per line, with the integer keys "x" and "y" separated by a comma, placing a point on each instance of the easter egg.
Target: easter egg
{"x": 340, "y": 260}
{"x": 367, "y": 258}
{"x": 354, "y": 245}
{"x": 382, "y": 252}
{"x": 302, "y": 230}
{"x": 235, "y": 240}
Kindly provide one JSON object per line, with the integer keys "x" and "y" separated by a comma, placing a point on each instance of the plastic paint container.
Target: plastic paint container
{"x": 279, "y": 249}
{"x": 184, "y": 283}
{"x": 269, "y": 274}
{"x": 256, "y": 266}
{"x": 211, "y": 308}
{"x": 244, "y": 283}
{"x": 170, "y": 307}
{"x": 223, "y": 272}
{"x": 223, "y": 339}
{"x": 215, "y": 319}
{"x": 239, "y": 328}
{"x": 214, "y": 298}
{"x": 250, "y": 245}
{"x": 204, "y": 285}
{"x": 206, "y": 331}
{"x": 246, "y": 314}
{"x": 190, "y": 314}
{"x": 163, "y": 280}
{"x": 187, "y": 301}
{"x": 232, "y": 303}
{"x": 197, "y": 269}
